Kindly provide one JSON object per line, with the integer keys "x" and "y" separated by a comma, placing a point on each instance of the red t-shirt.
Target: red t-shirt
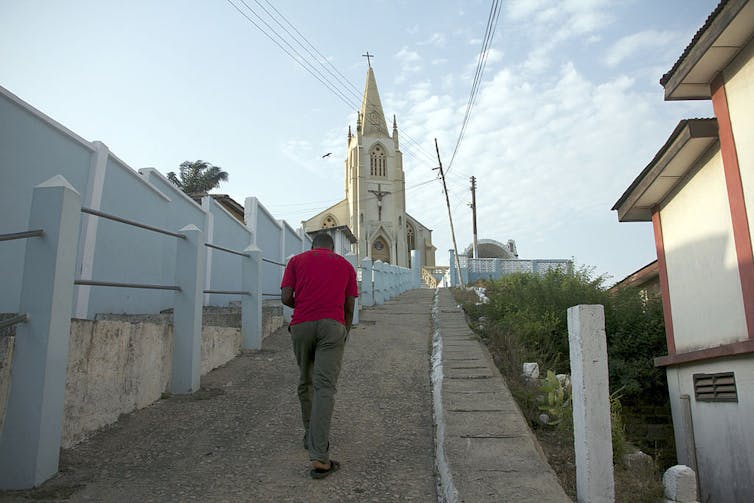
{"x": 321, "y": 280}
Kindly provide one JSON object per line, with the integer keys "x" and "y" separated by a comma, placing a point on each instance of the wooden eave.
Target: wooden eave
{"x": 727, "y": 30}
{"x": 681, "y": 152}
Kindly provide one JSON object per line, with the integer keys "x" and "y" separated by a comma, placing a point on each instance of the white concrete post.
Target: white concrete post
{"x": 379, "y": 281}
{"x": 190, "y": 262}
{"x": 679, "y": 482}
{"x": 387, "y": 283}
{"x": 287, "y": 311}
{"x": 591, "y": 404}
{"x": 416, "y": 269}
{"x": 367, "y": 284}
{"x": 394, "y": 272}
{"x": 351, "y": 257}
{"x": 30, "y": 441}
{"x": 251, "y": 305}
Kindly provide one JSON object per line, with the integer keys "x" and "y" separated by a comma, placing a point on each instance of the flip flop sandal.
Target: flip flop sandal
{"x": 320, "y": 473}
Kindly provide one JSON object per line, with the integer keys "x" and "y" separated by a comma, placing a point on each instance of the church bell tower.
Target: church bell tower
{"x": 375, "y": 183}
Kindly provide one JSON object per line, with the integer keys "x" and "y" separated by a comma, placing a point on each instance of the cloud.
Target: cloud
{"x": 642, "y": 43}
{"x": 549, "y": 26}
{"x": 435, "y": 40}
{"x": 410, "y": 61}
{"x": 549, "y": 151}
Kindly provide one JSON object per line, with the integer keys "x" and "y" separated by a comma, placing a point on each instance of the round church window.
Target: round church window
{"x": 378, "y": 245}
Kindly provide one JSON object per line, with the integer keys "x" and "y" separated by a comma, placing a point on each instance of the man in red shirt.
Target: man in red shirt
{"x": 321, "y": 288}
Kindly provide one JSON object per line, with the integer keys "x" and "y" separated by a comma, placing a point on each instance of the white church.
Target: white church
{"x": 374, "y": 208}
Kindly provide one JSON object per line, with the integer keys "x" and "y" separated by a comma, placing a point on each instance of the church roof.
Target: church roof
{"x": 372, "y": 115}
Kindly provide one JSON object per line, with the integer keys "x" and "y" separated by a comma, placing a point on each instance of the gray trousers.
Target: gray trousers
{"x": 318, "y": 346}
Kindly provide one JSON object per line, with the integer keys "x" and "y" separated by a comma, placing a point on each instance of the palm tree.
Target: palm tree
{"x": 198, "y": 176}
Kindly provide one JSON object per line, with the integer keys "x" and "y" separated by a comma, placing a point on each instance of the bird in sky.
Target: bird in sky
{"x": 327, "y": 155}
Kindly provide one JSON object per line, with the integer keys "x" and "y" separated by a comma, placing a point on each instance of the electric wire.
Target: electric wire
{"x": 341, "y": 92}
{"x": 324, "y": 58}
{"x": 489, "y": 34}
{"x": 352, "y": 92}
{"x": 335, "y": 91}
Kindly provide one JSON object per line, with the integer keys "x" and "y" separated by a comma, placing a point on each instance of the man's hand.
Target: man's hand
{"x": 286, "y": 297}
{"x": 348, "y": 311}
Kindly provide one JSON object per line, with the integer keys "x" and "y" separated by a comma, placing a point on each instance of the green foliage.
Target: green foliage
{"x": 535, "y": 306}
{"x": 635, "y": 329}
{"x": 556, "y": 400}
{"x": 618, "y": 431}
{"x": 198, "y": 176}
{"x": 532, "y": 309}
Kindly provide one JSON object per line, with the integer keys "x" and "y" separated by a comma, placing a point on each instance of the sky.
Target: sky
{"x": 569, "y": 109}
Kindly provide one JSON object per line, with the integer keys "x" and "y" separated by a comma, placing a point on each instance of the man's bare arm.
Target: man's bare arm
{"x": 286, "y": 296}
{"x": 348, "y": 311}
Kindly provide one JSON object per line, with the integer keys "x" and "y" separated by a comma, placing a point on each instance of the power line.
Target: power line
{"x": 489, "y": 34}
{"x": 361, "y": 200}
{"x": 353, "y": 91}
{"x": 345, "y": 79}
{"x": 300, "y": 62}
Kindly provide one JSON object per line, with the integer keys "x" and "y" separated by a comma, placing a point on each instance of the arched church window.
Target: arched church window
{"x": 362, "y": 218}
{"x": 410, "y": 237}
{"x": 377, "y": 163}
{"x": 329, "y": 221}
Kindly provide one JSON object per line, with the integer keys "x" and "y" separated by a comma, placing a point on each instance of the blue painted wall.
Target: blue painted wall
{"x": 34, "y": 148}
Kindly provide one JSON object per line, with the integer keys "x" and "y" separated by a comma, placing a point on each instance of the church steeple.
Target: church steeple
{"x": 372, "y": 114}
{"x": 395, "y": 134}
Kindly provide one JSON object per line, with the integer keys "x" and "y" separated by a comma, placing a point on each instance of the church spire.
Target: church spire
{"x": 371, "y": 109}
{"x": 395, "y": 134}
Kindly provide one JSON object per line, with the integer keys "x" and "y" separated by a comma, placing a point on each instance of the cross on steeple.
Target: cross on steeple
{"x": 368, "y": 56}
{"x": 379, "y": 193}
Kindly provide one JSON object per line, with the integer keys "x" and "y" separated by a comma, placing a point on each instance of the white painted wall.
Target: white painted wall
{"x": 739, "y": 88}
{"x": 724, "y": 437}
{"x": 703, "y": 279}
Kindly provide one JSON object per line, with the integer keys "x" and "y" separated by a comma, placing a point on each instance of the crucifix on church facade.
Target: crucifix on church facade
{"x": 379, "y": 193}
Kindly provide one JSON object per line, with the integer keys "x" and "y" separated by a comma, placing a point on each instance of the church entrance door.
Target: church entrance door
{"x": 380, "y": 250}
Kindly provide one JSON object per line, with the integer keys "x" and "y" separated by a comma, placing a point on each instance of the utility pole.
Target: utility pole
{"x": 473, "y": 213}
{"x": 450, "y": 217}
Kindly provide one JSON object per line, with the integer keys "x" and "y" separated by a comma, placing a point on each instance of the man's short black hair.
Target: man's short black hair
{"x": 323, "y": 240}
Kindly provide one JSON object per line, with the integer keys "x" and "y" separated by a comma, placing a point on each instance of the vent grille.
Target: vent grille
{"x": 719, "y": 387}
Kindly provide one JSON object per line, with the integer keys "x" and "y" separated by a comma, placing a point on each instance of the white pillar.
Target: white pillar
{"x": 379, "y": 282}
{"x": 251, "y": 305}
{"x": 287, "y": 311}
{"x": 416, "y": 269}
{"x": 351, "y": 257}
{"x": 591, "y": 404}
{"x": 190, "y": 262}
{"x": 30, "y": 441}
{"x": 367, "y": 284}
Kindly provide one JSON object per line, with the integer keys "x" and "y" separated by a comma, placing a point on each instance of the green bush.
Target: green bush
{"x": 533, "y": 308}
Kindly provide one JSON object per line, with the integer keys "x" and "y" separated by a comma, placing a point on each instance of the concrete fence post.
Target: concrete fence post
{"x": 453, "y": 274}
{"x": 30, "y": 441}
{"x": 379, "y": 279}
{"x": 367, "y": 284}
{"x": 416, "y": 269}
{"x": 396, "y": 280}
{"x": 388, "y": 281}
{"x": 187, "y": 314}
{"x": 351, "y": 257}
{"x": 591, "y": 404}
{"x": 251, "y": 305}
{"x": 287, "y": 311}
